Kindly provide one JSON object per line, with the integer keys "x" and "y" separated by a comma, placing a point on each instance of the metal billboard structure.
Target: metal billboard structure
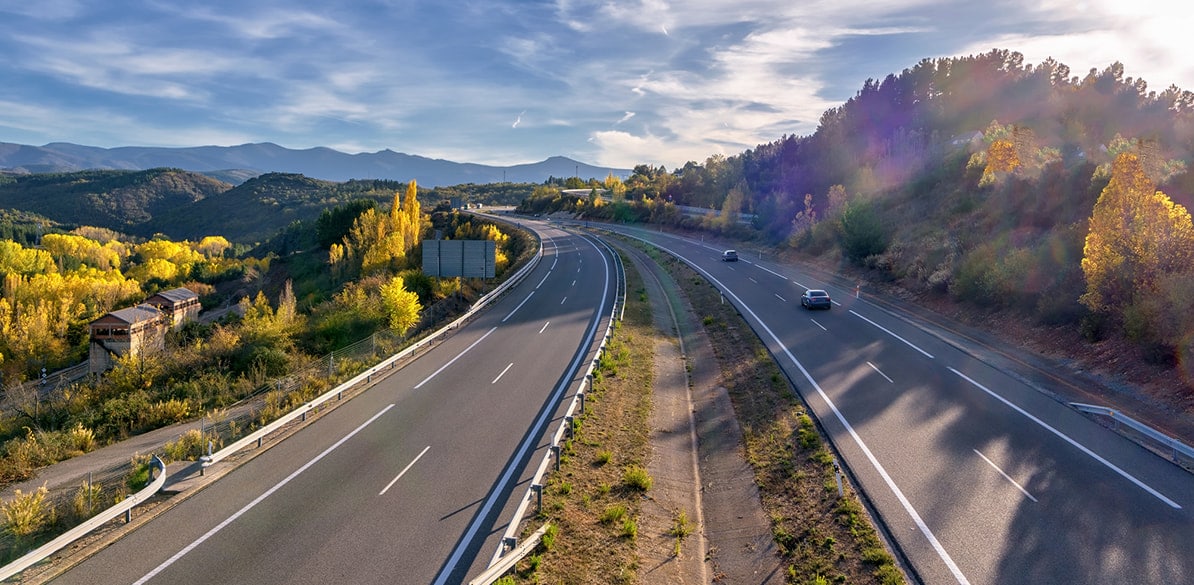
{"x": 466, "y": 258}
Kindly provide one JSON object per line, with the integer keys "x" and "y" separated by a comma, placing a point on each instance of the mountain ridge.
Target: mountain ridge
{"x": 257, "y": 158}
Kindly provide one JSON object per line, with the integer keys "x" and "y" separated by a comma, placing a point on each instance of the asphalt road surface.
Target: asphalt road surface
{"x": 406, "y": 483}
{"x": 979, "y": 477}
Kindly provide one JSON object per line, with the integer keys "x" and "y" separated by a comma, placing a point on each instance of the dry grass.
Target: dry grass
{"x": 595, "y": 498}
{"x": 822, "y": 538}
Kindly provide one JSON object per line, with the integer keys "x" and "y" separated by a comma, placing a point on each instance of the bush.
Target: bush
{"x": 637, "y": 478}
{"x": 629, "y": 528}
{"x": 613, "y": 514}
{"x": 87, "y": 500}
{"x": 26, "y": 514}
{"x": 861, "y": 231}
{"x": 549, "y": 536}
{"x": 189, "y": 446}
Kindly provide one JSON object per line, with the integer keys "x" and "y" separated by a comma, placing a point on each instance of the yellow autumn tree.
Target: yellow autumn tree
{"x": 401, "y": 306}
{"x": 1137, "y": 236}
{"x": 1001, "y": 158}
{"x": 377, "y": 242}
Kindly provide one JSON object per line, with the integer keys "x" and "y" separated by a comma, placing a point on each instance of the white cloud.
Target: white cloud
{"x": 625, "y": 117}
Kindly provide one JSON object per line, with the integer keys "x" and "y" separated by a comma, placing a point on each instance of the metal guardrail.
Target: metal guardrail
{"x": 506, "y": 563}
{"x": 367, "y": 376}
{"x": 508, "y": 557}
{"x": 124, "y": 507}
{"x": 1177, "y": 449}
{"x": 127, "y": 504}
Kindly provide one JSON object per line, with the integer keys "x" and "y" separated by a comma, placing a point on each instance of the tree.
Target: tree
{"x": 401, "y": 306}
{"x": 1137, "y": 235}
{"x": 862, "y": 232}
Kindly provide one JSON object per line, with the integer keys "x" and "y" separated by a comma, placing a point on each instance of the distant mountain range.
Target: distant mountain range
{"x": 235, "y": 164}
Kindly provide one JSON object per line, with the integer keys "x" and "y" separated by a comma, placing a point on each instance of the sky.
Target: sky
{"x": 606, "y": 82}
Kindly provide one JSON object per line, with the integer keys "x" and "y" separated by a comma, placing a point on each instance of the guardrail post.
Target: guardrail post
{"x": 582, "y": 401}
{"x": 508, "y": 544}
{"x": 538, "y": 489}
{"x": 568, "y": 421}
{"x": 837, "y": 474}
{"x": 555, "y": 454}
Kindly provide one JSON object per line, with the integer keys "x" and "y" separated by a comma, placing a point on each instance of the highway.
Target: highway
{"x": 979, "y": 477}
{"x": 409, "y": 482}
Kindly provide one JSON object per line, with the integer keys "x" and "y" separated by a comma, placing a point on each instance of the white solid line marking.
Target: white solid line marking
{"x": 835, "y": 302}
{"x": 780, "y": 298}
{"x": 1005, "y": 476}
{"x": 752, "y": 279}
{"x": 880, "y": 372}
{"x": 453, "y": 360}
{"x": 499, "y": 376}
{"x": 404, "y": 470}
{"x": 543, "y": 281}
{"x": 541, "y": 329}
{"x": 888, "y": 331}
{"x": 1067, "y": 439}
{"x": 536, "y": 428}
{"x": 882, "y": 471}
{"x": 210, "y": 533}
{"x": 524, "y": 301}
{"x": 818, "y": 324}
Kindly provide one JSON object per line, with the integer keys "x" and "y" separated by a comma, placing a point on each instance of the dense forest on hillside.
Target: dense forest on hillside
{"x": 1002, "y": 184}
{"x": 188, "y": 206}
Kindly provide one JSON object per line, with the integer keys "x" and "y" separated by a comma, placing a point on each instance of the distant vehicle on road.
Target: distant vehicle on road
{"x": 729, "y": 256}
{"x": 814, "y": 298}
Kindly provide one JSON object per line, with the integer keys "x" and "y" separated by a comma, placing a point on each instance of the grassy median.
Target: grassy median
{"x": 593, "y": 502}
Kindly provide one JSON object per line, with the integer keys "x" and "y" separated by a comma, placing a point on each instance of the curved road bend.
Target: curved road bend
{"x": 979, "y": 477}
{"x": 404, "y": 483}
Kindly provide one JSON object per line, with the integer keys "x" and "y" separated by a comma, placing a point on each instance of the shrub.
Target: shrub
{"x": 188, "y": 447}
{"x": 139, "y": 476}
{"x": 613, "y": 514}
{"x": 629, "y": 528}
{"x": 549, "y": 536}
{"x": 87, "y": 500}
{"x": 81, "y": 439}
{"x": 680, "y": 525}
{"x": 862, "y": 232}
{"x": 637, "y": 478}
{"x": 25, "y": 514}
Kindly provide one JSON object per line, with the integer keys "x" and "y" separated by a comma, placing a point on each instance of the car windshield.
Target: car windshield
{"x": 817, "y": 293}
